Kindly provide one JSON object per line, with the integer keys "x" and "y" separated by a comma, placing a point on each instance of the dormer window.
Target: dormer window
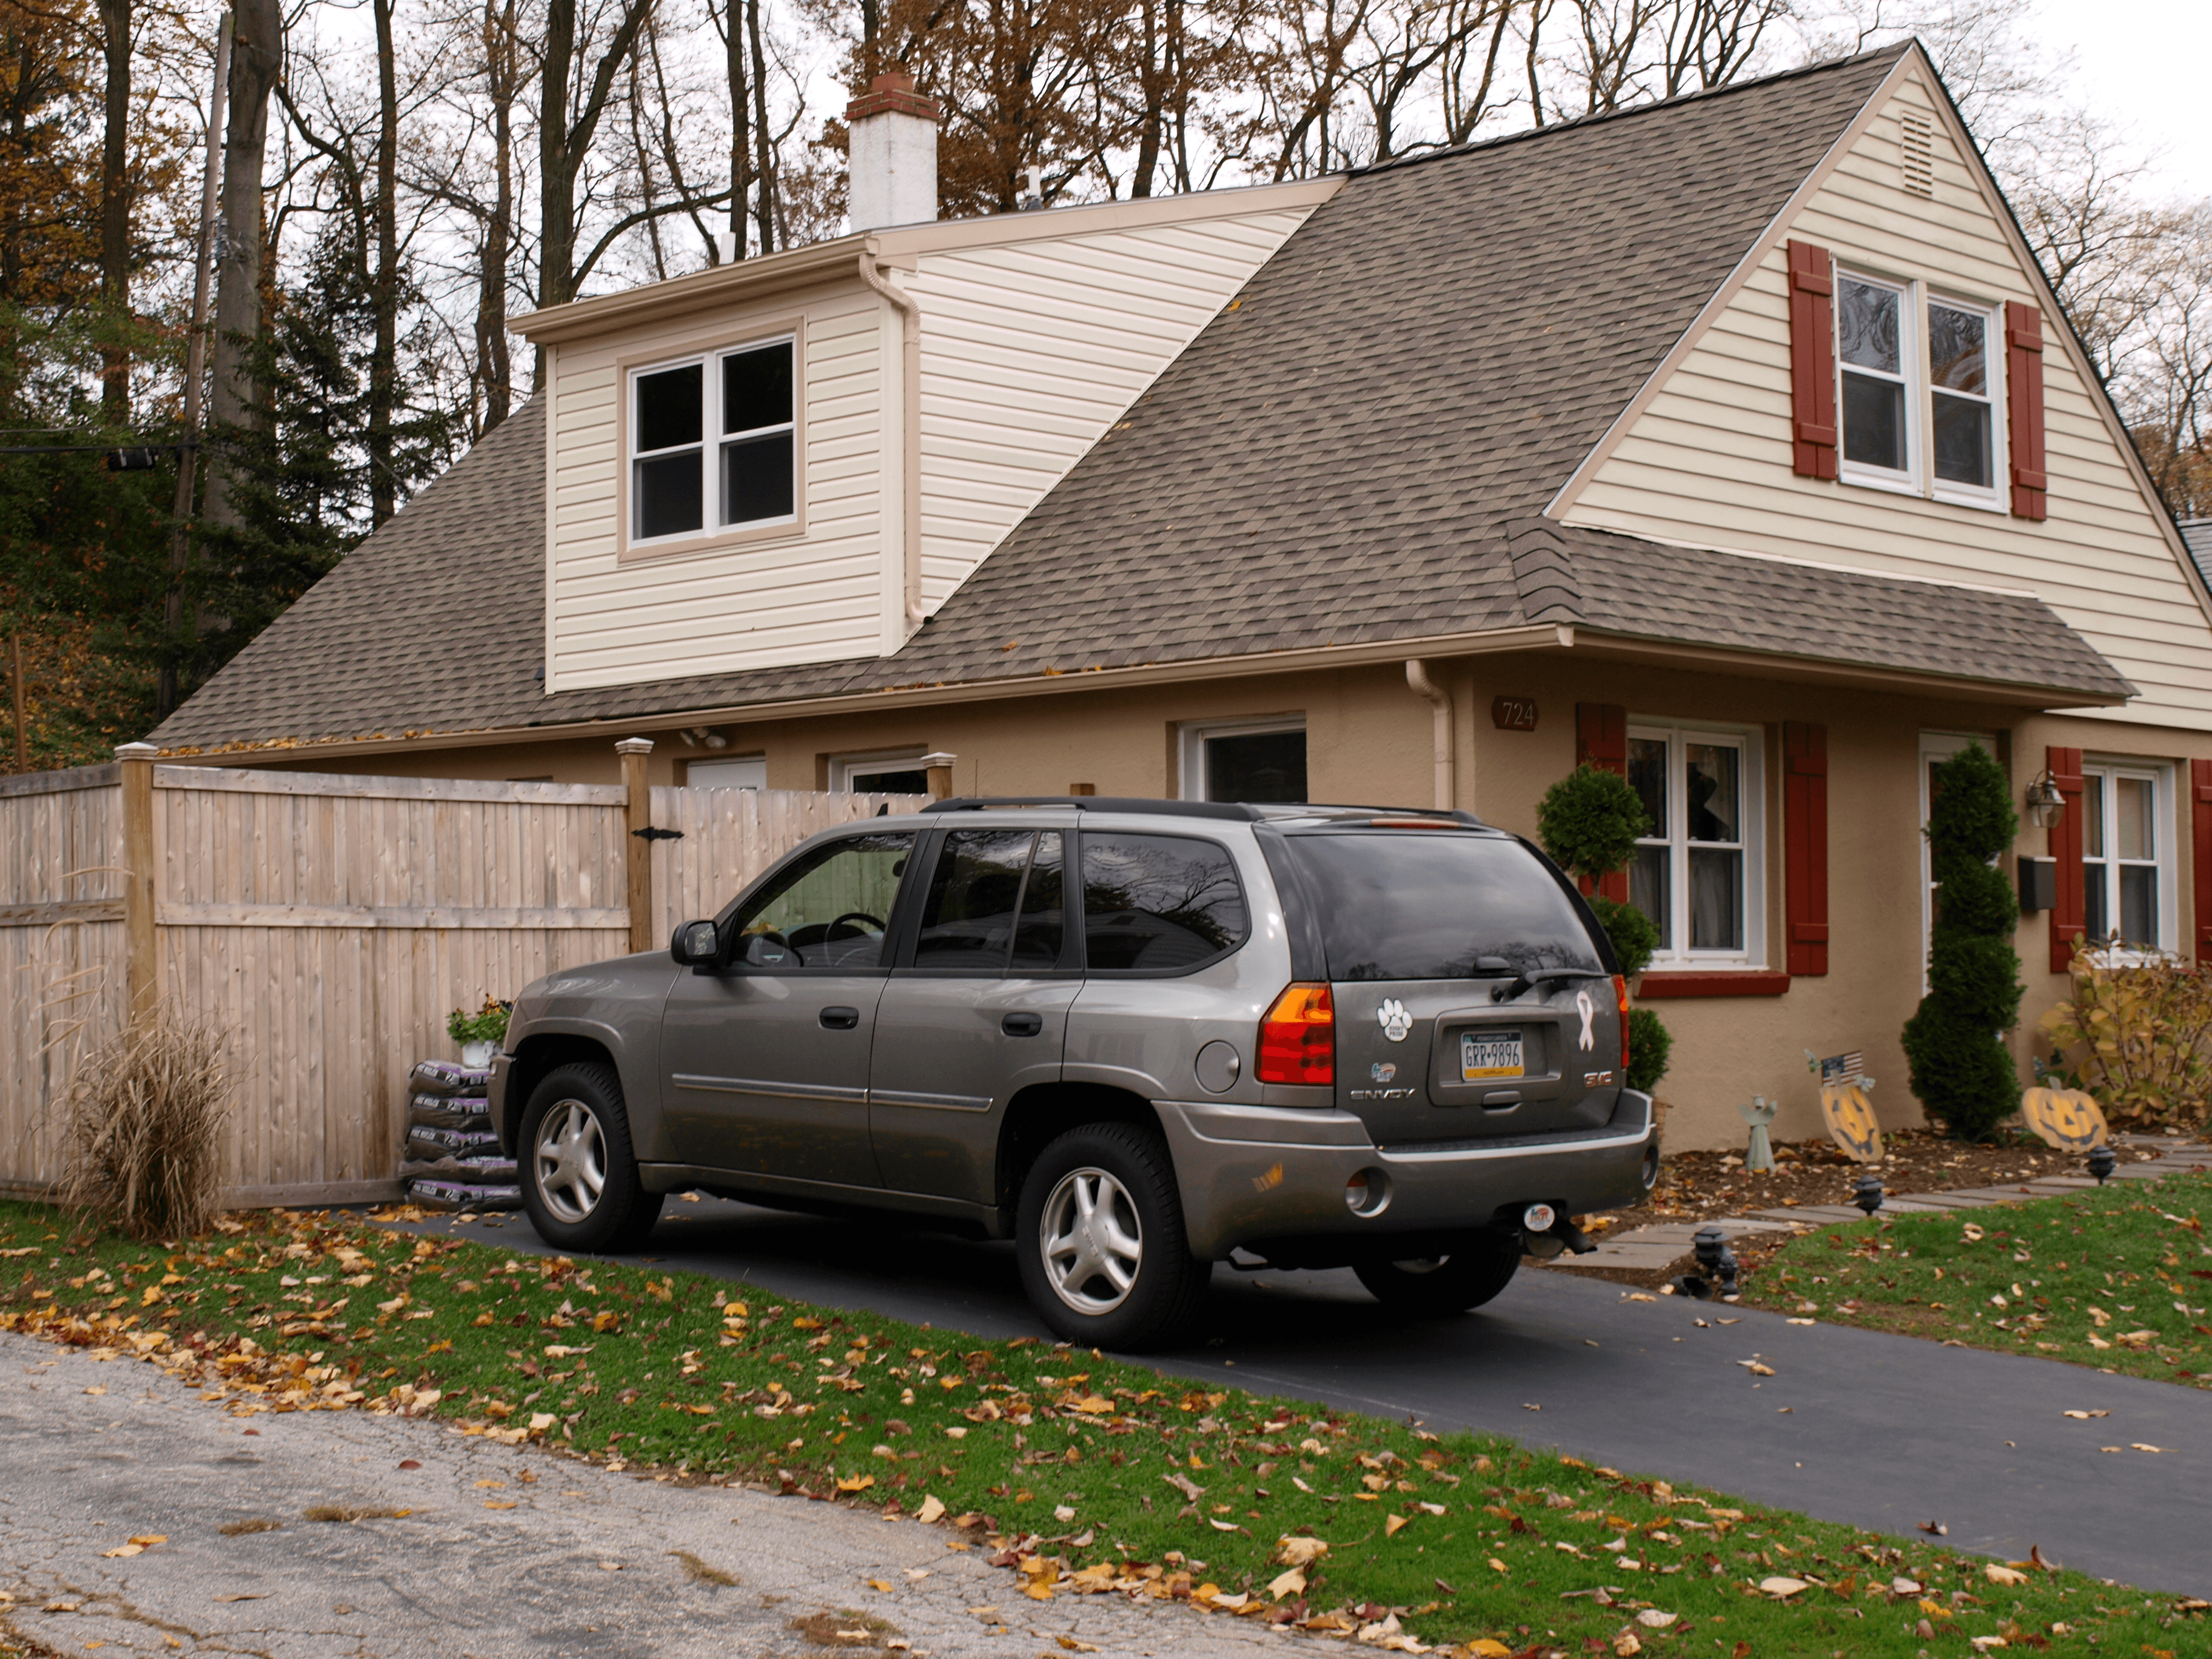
{"x": 1919, "y": 391}
{"x": 712, "y": 444}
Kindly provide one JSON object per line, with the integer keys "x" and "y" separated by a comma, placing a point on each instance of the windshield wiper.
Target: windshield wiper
{"x": 1527, "y": 980}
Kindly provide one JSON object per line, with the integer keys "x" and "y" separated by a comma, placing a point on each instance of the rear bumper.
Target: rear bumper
{"x": 1252, "y": 1173}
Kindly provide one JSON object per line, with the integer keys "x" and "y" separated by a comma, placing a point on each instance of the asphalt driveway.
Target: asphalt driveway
{"x": 1883, "y": 1431}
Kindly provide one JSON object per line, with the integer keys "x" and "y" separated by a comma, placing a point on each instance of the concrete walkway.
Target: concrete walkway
{"x": 489, "y": 1564}
{"x": 1662, "y": 1245}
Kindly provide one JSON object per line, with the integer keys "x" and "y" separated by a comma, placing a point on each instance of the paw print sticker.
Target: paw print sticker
{"x": 1394, "y": 1019}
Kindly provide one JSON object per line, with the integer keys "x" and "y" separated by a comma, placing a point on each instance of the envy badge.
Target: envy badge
{"x": 1382, "y": 1071}
{"x": 1396, "y": 1022}
{"x": 1587, "y": 1009}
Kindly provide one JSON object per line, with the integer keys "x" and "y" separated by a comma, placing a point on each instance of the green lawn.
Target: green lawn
{"x": 1086, "y": 1475}
{"x": 2119, "y": 1278}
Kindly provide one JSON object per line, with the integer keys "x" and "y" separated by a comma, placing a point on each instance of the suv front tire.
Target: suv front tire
{"x": 1102, "y": 1251}
{"x": 579, "y": 1175}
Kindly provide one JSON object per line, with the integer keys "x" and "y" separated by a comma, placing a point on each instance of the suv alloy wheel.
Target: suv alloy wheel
{"x": 1102, "y": 1247}
{"x": 579, "y": 1178}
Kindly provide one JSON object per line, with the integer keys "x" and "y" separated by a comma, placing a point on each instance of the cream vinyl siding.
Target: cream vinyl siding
{"x": 812, "y": 596}
{"x": 1032, "y": 348}
{"x": 1708, "y": 460}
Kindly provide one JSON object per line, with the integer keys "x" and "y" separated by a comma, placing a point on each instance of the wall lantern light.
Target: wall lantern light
{"x": 2045, "y": 805}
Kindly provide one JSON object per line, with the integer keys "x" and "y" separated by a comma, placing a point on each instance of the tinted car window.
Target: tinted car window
{"x": 1044, "y": 925}
{"x": 1432, "y": 905}
{"x": 968, "y": 921}
{"x": 829, "y": 908}
{"x": 1158, "y": 903}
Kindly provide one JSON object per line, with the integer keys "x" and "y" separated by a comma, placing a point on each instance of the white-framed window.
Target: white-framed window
{"x": 889, "y": 772}
{"x": 732, "y": 772}
{"x": 1921, "y": 379}
{"x": 1700, "y": 875}
{"x": 712, "y": 443}
{"x": 2127, "y": 854}
{"x": 1257, "y": 760}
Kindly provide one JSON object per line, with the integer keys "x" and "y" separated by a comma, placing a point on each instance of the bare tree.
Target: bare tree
{"x": 256, "y": 56}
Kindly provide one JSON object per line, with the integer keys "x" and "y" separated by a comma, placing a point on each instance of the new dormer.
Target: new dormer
{"x": 796, "y": 458}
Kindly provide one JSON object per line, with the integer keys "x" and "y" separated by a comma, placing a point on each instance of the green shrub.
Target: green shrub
{"x": 1650, "y": 1043}
{"x": 2138, "y": 1038}
{"x": 1635, "y": 936}
{"x": 1954, "y": 1042}
{"x": 1589, "y": 822}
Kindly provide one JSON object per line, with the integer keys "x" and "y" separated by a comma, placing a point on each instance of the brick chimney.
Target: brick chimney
{"x": 893, "y": 160}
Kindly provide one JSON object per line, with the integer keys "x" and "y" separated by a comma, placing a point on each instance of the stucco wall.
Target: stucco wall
{"x": 1369, "y": 740}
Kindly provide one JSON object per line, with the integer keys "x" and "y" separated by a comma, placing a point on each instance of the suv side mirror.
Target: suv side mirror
{"x": 696, "y": 945}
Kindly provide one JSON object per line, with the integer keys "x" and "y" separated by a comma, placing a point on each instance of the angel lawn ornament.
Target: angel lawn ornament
{"x": 1759, "y": 1157}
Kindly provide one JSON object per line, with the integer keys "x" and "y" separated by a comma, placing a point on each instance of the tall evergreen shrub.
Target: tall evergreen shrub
{"x": 1954, "y": 1044}
{"x": 1590, "y": 822}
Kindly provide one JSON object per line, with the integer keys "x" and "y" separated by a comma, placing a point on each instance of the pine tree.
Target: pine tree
{"x": 1954, "y": 1043}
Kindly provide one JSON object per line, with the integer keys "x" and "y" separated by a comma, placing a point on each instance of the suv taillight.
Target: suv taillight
{"x": 1620, "y": 1000}
{"x": 1297, "y": 1039}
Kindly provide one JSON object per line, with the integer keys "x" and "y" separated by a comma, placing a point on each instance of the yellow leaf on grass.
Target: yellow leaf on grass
{"x": 1785, "y": 1587}
{"x": 1496, "y": 1565}
{"x": 856, "y": 1483}
{"x": 931, "y": 1509}
{"x": 1998, "y": 1574}
{"x": 1299, "y": 1552}
{"x": 1292, "y": 1582}
{"x": 1484, "y": 1647}
{"x": 1390, "y": 1525}
{"x": 1091, "y": 1403}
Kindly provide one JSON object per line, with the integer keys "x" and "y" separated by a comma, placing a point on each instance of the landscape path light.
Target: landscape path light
{"x": 2102, "y": 1164}
{"x": 1866, "y": 1193}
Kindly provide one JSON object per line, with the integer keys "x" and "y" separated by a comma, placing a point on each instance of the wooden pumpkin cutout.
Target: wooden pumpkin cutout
{"x": 1850, "y": 1119}
{"x": 2067, "y": 1119}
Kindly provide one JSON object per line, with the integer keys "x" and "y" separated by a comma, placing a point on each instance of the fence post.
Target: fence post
{"x": 939, "y": 768}
{"x": 638, "y": 850}
{"x": 142, "y": 958}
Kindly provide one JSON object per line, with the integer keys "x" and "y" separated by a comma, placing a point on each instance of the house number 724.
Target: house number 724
{"x": 1513, "y": 713}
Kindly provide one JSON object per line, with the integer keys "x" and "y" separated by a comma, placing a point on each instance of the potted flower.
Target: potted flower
{"x": 479, "y": 1033}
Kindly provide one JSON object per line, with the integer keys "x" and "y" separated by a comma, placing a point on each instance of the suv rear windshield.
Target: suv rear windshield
{"x": 1432, "y": 905}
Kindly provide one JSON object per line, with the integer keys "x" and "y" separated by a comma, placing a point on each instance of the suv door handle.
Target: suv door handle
{"x": 1022, "y": 1025}
{"x": 839, "y": 1020}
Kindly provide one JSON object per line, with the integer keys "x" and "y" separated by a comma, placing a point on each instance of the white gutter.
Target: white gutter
{"x": 1417, "y": 676}
{"x": 910, "y": 436}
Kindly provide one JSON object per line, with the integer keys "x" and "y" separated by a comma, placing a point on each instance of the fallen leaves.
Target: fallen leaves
{"x": 1756, "y": 1368}
{"x": 2003, "y": 1574}
{"x": 1782, "y": 1588}
{"x": 137, "y": 1546}
{"x": 932, "y": 1511}
{"x": 1935, "y": 1529}
{"x": 2086, "y": 1416}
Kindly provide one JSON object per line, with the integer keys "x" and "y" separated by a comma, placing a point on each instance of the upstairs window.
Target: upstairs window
{"x": 1919, "y": 391}
{"x": 714, "y": 443}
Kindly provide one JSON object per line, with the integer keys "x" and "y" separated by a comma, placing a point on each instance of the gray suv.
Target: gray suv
{"x": 1135, "y": 1036}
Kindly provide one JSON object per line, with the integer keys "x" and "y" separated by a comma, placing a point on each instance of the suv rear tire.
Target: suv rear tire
{"x": 579, "y": 1176}
{"x": 1103, "y": 1257}
{"x": 1477, "y": 1268}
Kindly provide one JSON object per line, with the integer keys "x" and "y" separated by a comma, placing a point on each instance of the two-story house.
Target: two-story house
{"x": 1736, "y": 442}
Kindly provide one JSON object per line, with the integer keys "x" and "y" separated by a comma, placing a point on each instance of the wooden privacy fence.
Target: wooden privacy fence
{"x": 326, "y": 925}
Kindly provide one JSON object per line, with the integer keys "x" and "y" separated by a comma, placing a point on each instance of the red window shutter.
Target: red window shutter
{"x": 1602, "y": 740}
{"x": 2200, "y": 825}
{"x": 1805, "y": 844}
{"x": 2024, "y": 408}
{"x": 1812, "y": 361}
{"x": 2069, "y": 912}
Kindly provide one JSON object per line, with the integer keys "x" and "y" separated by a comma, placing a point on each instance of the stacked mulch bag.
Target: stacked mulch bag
{"x": 452, "y": 1159}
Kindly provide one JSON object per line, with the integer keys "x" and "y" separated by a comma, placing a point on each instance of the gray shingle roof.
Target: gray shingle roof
{"x": 1356, "y": 451}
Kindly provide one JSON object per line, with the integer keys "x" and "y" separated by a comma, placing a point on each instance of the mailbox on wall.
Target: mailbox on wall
{"x": 2039, "y": 884}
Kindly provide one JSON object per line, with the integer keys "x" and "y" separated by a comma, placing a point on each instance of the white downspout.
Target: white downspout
{"x": 910, "y": 433}
{"x": 1417, "y": 676}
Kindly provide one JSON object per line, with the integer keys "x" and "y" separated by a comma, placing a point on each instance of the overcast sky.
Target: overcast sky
{"x": 2144, "y": 64}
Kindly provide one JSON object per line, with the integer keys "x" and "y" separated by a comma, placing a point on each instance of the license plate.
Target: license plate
{"x": 1484, "y": 1054}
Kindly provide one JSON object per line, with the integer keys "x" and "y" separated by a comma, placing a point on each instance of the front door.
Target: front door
{"x": 764, "y": 1065}
{"x": 979, "y": 1013}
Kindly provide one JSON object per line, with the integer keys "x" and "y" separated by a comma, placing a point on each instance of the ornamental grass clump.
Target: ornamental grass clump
{"x": 145, "y": 1117}
{"x": 1954, "y": 1044}
{"x": 1590, "y": 822}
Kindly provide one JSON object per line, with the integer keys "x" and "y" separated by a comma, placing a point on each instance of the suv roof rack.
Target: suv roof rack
{"x": 1235, "y": 811}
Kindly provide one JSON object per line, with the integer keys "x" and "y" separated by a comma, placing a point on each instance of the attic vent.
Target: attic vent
{"x": 1918, "y": 147}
